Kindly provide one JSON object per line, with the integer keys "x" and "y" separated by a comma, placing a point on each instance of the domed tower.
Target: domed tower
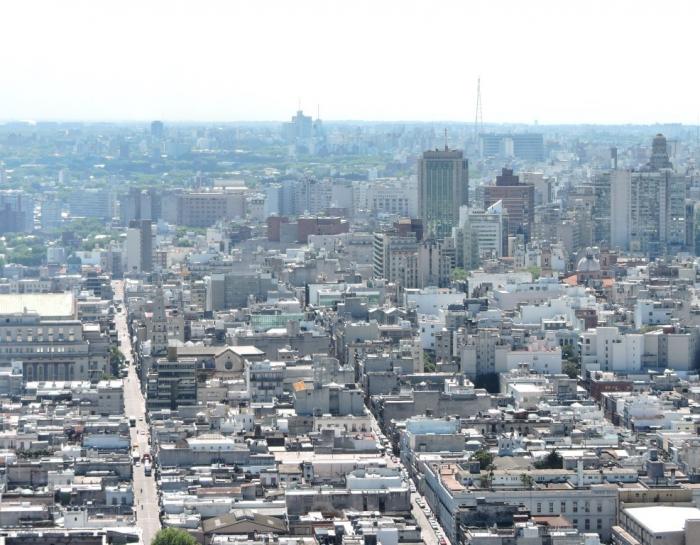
{"x": 588, "y": 268}
{"x": 659, "y": 154}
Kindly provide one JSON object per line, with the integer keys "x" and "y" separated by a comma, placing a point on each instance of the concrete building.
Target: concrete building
{"x": 607, "y": 349}
{"x": 449, "y": 490}
{"x": 139, "y": 247}
{"x": 517, "y": 198}
{"x": 658, "y": 524}
{"x": 16, "y": 211}
{"x": 333, "y": 399}
{"x": 233, "y": 290}
{"x": 205, "y": 208}
{"x": 91, "y": 202}
{"x": 171, "y": 384}
{"x": 525, "y": 146}
{"x": 647, "y": 207}
{"x": 481, "y": 234}
{"x": 265, "y": 380}
{"x": 443, "y": 186}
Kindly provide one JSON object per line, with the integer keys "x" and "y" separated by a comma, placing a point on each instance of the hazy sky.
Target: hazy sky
{"x": 563, "y": 61}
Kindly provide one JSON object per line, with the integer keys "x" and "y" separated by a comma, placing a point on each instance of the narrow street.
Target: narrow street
{"x": 428, "y": 533}
{"x": 146, "y": 504}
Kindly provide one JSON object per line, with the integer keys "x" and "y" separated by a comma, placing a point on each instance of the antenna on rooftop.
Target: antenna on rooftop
{"x": 446, "y": 139}
{"x": 478, "y": 114}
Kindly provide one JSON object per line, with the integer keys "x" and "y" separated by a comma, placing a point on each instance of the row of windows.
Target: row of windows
{"x": 42, "y": 330}
{"x": 586, "y": 507}
{"x": 34, "y": 350}
{"x": 19, "y": 338}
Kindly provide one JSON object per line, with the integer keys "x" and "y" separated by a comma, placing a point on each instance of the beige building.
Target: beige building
{"x": 205, "y": 208}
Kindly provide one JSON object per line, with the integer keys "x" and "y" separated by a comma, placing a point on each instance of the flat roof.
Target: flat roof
{"x": 662, "y": 519}
{"x": 46, "y": 305}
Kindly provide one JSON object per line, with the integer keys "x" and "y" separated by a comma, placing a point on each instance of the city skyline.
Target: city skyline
{"x": 579, "y": 63}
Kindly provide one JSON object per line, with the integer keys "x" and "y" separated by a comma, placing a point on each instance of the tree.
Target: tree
{"x": 173, "y": 536}
{"x": 535, "y": 272}
{"x": 527, "y": 480}
{"x": 571, "y": 364}
{"x": 429, "y": 365}
{"x": 116, "y": 360}
{"x": 571, "y": 369}
{"x": 553, "y": 460}
{"x": 485, "y": 459}
{"x": 459, "y": 274}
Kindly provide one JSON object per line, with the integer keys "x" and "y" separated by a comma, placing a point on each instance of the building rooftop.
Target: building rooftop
{"x": 660, "y": 519}
{"x": 46, "y": 305}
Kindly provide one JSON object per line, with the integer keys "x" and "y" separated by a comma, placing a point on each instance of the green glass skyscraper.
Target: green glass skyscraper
{"x": 443, "y": 186}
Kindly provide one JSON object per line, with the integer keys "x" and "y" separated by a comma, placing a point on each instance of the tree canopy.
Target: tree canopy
{"x": 173, "y": 536}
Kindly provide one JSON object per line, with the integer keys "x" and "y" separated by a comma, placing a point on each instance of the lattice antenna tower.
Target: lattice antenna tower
{"x": 478, "y": 114}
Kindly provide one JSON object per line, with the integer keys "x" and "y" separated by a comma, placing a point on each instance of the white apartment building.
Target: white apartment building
{"x": 606, "y": 349}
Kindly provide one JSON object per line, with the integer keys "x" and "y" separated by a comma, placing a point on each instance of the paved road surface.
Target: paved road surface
{"x": 428, "y": 535}
{"x": 145, "y": 489}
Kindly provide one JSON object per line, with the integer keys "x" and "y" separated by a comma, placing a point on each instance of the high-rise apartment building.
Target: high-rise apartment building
{"x": 139, "y": 246}
{"x": 648, "y": 211}
{"x": 481, "y": 234}
{"x": 91, "y": 203}
{"x": 394, "y": 258}
{"x": 140, "y": 204}
{"x": 401, "y": 257}
{"x": 443, "y": 186}
{"x": 600, "y": 211}
{"x": 517, "y": 198}
{"x": 16, "y": 211}
{"x": 647, "y": 207}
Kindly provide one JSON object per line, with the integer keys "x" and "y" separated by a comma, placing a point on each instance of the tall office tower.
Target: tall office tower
{"x": 139, "y": 204}
{"x": 139, "y": 246}
{"x": 443, "y": 186}
{"x": 16, "y": 211}
{"x": 659, "y": 154}
{"x": 518, "y": 200}
{"x": 647, "y": 208}
{"x": 299, "y": 128}
{"x": 157, "y": 129}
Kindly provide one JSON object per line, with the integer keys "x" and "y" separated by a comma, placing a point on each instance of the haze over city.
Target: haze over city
{"x": 550, "y": 61}
{"x": 349, "y": 273}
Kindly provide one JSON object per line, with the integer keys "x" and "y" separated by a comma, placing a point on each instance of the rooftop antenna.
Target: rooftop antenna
{"x": 446, "y": 139}
{"x": 299, "y": 104}
{"x": 478, "y": 114}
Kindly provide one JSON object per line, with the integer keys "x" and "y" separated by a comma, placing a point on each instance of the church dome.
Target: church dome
{"x": 588, "y": 263}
